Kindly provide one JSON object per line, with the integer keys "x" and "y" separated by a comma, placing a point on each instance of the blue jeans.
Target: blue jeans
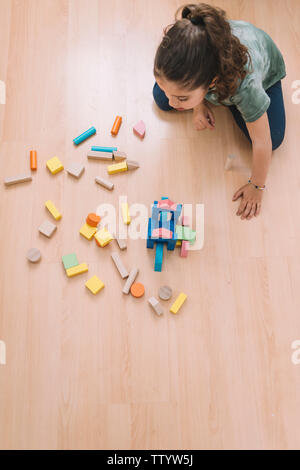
{"x": 276, "y": 112}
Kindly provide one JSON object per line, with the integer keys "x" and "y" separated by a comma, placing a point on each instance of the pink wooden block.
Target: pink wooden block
{"x": 185, "y": 220}
{"x": 184, "y": 248}
{"x": 162, "y": 233}
{"x": 140, "y": 129}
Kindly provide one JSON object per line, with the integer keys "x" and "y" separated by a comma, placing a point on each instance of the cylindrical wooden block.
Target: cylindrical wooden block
{"x": 116, "y": 126}
{"x": 33, "y": 160}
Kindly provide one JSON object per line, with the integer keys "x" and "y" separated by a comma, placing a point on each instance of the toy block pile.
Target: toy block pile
{"x": 164, "y": 227}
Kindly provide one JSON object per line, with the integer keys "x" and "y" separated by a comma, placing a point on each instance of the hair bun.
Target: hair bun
{"x": 197, "y": 20}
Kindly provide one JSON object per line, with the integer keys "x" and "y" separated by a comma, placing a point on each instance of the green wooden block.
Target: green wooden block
{"x": 193, "y": 237}
{"x": 70, "y": 260}
{"x": 179, "y": 231}
{"x": 187, "y": 233}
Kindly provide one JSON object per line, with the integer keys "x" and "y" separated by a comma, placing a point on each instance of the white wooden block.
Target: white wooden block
{"x": 132, "y": 164}
{"x": 105, "y": 183}
{"x": 156, "y": 305}
{"x": 119, "y": 264}
{"x": 119, "y": 156}
{"x": 122, "y": 243}
{"x": 130, "y": 280}
{"x": 103, "y": 156}
{"x": 33, "y": 255}
{"x": 17, "y": 179}
{"x": 47, "y": 228}
{"x": 75, "y": 169}
{"x": 229, "y": 162}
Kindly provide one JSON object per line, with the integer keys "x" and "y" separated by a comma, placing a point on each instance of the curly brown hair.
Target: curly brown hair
{"x": 198, "y": 47}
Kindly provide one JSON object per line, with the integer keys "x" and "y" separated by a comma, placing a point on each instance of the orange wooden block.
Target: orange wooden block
{"x": 93, "y": 219}
{"x": 137, "y": 289}
{"x": 116, "y": 126}
{"x": 33, "y": 160}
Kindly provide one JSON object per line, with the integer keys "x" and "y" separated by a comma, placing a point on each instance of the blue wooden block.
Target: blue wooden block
{"x": 158, "y": 256}
{"x": 95, "y": 148}
{"x": 164, "y": 197}
{"x": 150, "y": 243}
{"x": 84, "y": 135}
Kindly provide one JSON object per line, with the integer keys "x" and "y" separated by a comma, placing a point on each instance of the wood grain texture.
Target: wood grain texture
{"x": 106, "y": 372}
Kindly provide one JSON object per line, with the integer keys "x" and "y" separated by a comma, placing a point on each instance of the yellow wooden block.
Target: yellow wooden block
{"x": 103, "y": 237}
{"x": 178, "y": 243}
{"x": 52, "y": 209}
{"x": 94, "y": 284}
{"x": 117, "y": 167}
{"x": 54, "y": 165}
{"x": 87, "y": 231}
{"x": 79, "y": 269}
{"x": 125, "y": 213}
{"x": 178, "y": 302}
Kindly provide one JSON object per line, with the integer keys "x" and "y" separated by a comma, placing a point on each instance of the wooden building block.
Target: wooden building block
{"x": 87, "y": 231}
{"x": 139, "y": 129}
{"x": 17, "y": 179}
{"x": 116, "y": 125}
{"x": 178, "y": 243}
{"x": 33, "y": 255}
{"x": 54, "y": 165}
{"x": 156, "y": 305}
{"x": 70, "y": 260}
{"x": 165, "y": 292}
{"x": 105, "y": 183}
{"x": 119, "y": 264}
{"x": 178, "y": 303}
{"x": 184, "y": 248}
{"x": 132, "y": 164}
{"x": 137, "y": 289}
{"x": 75, "y": 169}
{"x": 159, "y": 251}
{"x": 93, "y": 219}
{"x": 53, "y": 210}
{"x": 94, "y": 284}
{"x": 125, "y": 213}
{"x": 103, "y": 237}
{"x": 47, "y": 228}
{"x": 33, "y": 160}
{"x": 122, "y": 243}
{"x": 119, "y": 156}
{"x": 79, "y": 269}
{"x": 130, "y": 280}
{"x": 97, "y": 148}
{"x": 102, "y": 156}
{"x": 85, "y": 135}
{"x": 117, "y": 168}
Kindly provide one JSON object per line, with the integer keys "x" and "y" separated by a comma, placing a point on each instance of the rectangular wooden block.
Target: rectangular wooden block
{"x": 122, "y": 243}
{"x": 117, "y": 168}
{"x": 103, "y": 237}
{"x": 119, "y": 264}
{"x": 130, "y": 280}
{"x": 119, "y": 156}
{"x": 178, "y": 303}
{"x": 87, "y": 231}
{"x": 47, "y": 228}
{"x": 125, "y": 213}
{"x": 53, "y": 210}
{"x": 103, "y": 156}
{"x": 17, "y": 179}
{"x": 105, "y": 183}
{"x": 54, "y": 165}
{"x": 79, "y": 269}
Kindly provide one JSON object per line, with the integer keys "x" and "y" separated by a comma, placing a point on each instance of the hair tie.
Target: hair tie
{"x": 197, "y": 20}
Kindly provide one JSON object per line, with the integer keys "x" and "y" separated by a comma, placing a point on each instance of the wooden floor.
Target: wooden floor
{"x": 104, "y": 372}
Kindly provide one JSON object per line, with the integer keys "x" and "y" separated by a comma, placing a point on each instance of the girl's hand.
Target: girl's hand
{"x": 251, "y": 201}
{"x": 203, "y": 117}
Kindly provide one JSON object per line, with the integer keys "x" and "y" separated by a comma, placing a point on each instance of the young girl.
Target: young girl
{"x": 203, "y": 57}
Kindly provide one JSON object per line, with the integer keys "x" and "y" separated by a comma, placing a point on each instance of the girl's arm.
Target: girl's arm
{"x": 250, "y": 204}
{"x": 261, "y": 148}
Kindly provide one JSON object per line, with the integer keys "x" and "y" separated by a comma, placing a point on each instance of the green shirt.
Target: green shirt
{"x": 268, "y": 66}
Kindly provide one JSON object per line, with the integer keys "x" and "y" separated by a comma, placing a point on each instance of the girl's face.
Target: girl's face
{"x": 180, "y": 98}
